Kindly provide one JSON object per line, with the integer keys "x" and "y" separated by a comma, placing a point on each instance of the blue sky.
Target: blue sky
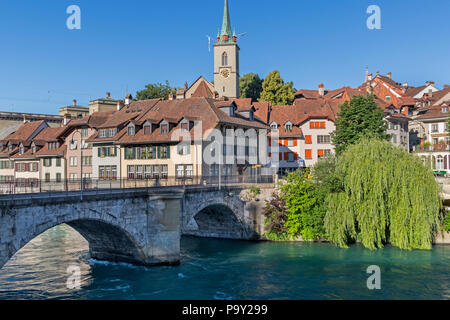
{"x": 127, "y": 44}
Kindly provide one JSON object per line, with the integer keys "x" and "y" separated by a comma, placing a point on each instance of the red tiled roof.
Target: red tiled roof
{"x": 203, "y": 91}
{"x": 24, "y": 133}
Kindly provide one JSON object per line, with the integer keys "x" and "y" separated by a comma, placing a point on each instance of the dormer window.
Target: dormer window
{"x": 21, "y": 150}
{"x": 147, "y": 129}
{"x": 273, "y": 126}
{"x": 33, "y": 149}
{"x": 164, "y": 128}
{"x": 185, "y": 126}
{"x": 288, "y": 126}
{"x": 388, "y": 98}
{"x": 130, "y": 130}
{"x": 445, "y": 110}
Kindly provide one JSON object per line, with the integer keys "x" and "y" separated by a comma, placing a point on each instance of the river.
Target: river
{"x": 221, "y": 269}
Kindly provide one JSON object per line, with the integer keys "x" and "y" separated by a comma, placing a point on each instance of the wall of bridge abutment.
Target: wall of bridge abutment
{"x": 136, "y": 227}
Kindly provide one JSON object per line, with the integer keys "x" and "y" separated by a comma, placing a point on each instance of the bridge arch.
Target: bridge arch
{"x": 216, "y": 214}
{"x": 140, "y": 229}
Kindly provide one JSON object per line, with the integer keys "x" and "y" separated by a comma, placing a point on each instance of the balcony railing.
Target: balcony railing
{"x": 433, "y": 148}
{"x": 42, "y": 186}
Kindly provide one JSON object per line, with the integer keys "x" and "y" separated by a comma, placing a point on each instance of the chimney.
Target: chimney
{"x": 128, "y": 99}
{"x": 25, "y": 119}
{"x": 119, "y": 105}
{"x": 430, "y": 93}
{"x": 432, "y": 83}
{"x": 108, "y": 95}
{"x": 171, "y": 96}
{"x": 74, "y": 102}
{"x": 321, "y": 90}
{"x": 369, "y": 76}
{"x": 378, "y": 73}
{"x": 404, "y": 87}
{"x": 389, "y": 75}
{"x": 427, "y": 83}
{"x": 186, "y": 85}
{"x": 446, "y": 86}
{"x": 67, "y": 118}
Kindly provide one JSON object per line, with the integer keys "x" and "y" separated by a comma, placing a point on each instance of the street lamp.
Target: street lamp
{"x": 81, "y": 161}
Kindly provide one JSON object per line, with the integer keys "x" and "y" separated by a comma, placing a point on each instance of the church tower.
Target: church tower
{"x": 226, "y": 60}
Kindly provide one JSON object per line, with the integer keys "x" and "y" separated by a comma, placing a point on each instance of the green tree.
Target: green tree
{"x": 276, "y": 90}
{"x": 388, "y": 196}
{"x": 305, "y": 212}
{"x": 155, "y": 91}
{"x": 361, "y": 117}
{"x": 250, "y": 86}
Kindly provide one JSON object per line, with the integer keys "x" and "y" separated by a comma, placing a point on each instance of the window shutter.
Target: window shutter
{"x": 50, "y": 162}
{"x": 133, "y": 154}
{"x": 295, "y": 156}
{"x": 311, "y": 125}
{"x": 308, "y": 154}
{"x": 115, "y": 151}
{"x": 168, "y": 152}
{"x": 281, "y": 156}
{"x": 295, "y": 142}
{"x": 158, "y": 151}
{"x": 286, "y": 156}
{"x": 270, "y": 142}
{"x": 99, "y": 152}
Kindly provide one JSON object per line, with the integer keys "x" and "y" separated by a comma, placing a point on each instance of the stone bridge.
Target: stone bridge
{"x": 139, "y": 226}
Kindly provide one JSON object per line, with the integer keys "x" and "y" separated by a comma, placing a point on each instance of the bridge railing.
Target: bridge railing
{"x": 61, "y": 186}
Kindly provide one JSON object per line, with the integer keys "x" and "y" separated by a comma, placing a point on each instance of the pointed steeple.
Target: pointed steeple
{"x": 226, "y": 36}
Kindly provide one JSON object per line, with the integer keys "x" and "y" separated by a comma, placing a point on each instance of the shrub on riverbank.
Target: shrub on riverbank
{"x": 297, "y": 210}
{"x": 388, "y": 196}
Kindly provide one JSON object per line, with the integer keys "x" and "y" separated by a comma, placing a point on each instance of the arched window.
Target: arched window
{"x": 224, "y": 59}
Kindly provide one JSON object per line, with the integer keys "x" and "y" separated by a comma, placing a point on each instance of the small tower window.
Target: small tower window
{"x": 224, "y": 59}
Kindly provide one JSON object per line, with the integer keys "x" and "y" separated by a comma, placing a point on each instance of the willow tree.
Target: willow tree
{"x": 388, "y": 196}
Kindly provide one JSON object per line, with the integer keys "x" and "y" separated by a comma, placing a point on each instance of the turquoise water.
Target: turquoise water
{"x": 218, "y": 269}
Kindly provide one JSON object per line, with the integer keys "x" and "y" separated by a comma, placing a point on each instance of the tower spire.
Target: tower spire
{"x": 226, "y": 34}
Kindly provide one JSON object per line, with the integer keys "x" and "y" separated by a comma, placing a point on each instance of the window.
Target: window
{"x": 288, "y": 127}
{"x": 47, "y": 177}
{"x": 445, "y": 110}
{"x": 388, "y": 98}
{"x": 147, "y": 129}
{"x": 440, "y": 163}
{"x": 73, "y": 161}
{"x": 394, "y": 138}
{"x": 139, "y": 172}
{"x": 274, "y": 126}
{"x": 164, "y": 152}
{"x": 58, "y": 177}
{"x": 327, "y": 152}
{"x": 434, "y": 128}
{"x": 184, "y": 149}
{"x": 130, "y": 172}
{"x": 147, "y": 172}
{"x": 58, "y": 162}
{"x": 185, "y": 127}
{"x": 130, "y": 131}
{"x": 323, "y": 140}
{"x": 73, "y": 177}
{"x": 180, "y": 171}
{"x": 308, "y": 139}
{"x": 317, "y": 125}
{"x": 155, "y": 172}
{"x": 224, "y": 59}
{"x": 164, "y": 128}
{"x": 290, "y": 157}
{"x": 84, "y": 132}
{"x": 320, "y": 153}
{"x": 48, "y": 162}
{"x": 86, "y": 161}
{"x": 164, "y": 172}
{"x": 435, "y": 141}
{"x": 290, "y": 142}
{"x": 308, "y": 154}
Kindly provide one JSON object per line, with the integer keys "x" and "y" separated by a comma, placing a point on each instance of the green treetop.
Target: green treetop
{"x": 276, "y": 90}
{"x": 250, "y": 86}
{"x": 361, "y": 117}
{"x": 155, "y": 91}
